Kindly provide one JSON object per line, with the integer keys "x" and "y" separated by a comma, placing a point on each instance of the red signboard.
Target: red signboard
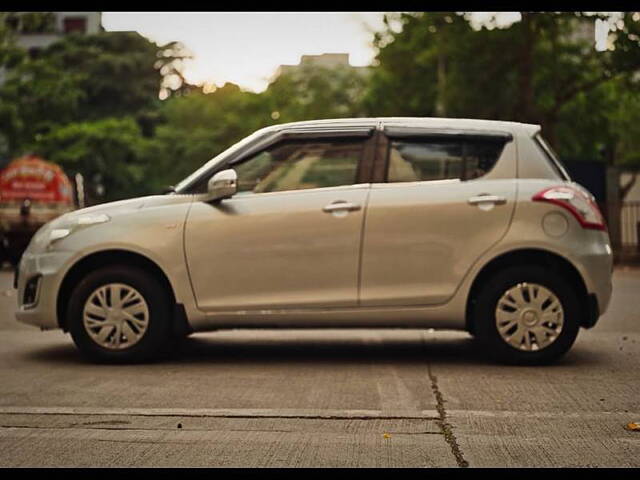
{"x": 33, "y": 178}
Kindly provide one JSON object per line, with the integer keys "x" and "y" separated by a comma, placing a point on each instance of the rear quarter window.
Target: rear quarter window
{"x": 415, "y": 160}
{"x": 551, "y": 157}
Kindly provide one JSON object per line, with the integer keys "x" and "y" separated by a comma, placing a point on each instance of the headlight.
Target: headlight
{"x": 74, "y": 224}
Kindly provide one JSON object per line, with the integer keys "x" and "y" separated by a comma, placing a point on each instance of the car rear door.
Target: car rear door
{"x": 433, "y": 212}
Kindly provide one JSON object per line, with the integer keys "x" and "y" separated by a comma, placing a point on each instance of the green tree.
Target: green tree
{"x": 83, "y": 98}
{"x": 316, "y": 92}
{"x": 116, "y": 71}
{"x": 530, "y": 71}
{"x": 195, "y": 127}
{"x": 624, "y": 130}
{"x": 35, "y": 98}
{"x": 413, "y": 66}
{"x": 85, "y": 77}
{"x": 10, "y": 57}
{"x": 29, "y": 22}
{"x": 109, "y": 152}
{"x": 10, "y": 54}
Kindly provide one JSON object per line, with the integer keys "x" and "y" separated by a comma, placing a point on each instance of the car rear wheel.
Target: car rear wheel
{"x": 120, "y": 314}
{"x": 527, "y": 315}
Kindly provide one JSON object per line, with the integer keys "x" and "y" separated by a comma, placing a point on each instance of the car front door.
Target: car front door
{"x": 437, "y": 209}
{"x": 290, "y": 238}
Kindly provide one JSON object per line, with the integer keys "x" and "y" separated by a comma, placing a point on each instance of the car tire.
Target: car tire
{"x": 537, "y": 311}
{"x": 103, "y": 333}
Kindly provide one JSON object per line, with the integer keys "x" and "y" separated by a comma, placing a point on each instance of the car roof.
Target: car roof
{"x": 425, "y": 122}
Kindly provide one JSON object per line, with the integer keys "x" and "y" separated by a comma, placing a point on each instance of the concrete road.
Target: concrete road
{"x": 405, "y": 398}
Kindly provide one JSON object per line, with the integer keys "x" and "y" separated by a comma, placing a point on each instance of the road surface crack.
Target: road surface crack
{"x": 445, "y": 426}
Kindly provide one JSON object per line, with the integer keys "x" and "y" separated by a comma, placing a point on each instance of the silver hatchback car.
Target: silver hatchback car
{"x": 353, "y": 223}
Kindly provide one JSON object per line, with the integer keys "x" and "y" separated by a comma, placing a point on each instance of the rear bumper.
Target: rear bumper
{"x": 597, "y": 271}
{"x": 592, "y": 313}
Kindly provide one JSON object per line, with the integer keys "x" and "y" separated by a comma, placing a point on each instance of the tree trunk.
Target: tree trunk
{"x": 441, "y": 104}
{"x": 441, "y": 108}
{"x": 549, "y": 130}
{"x": 525, "y": 104}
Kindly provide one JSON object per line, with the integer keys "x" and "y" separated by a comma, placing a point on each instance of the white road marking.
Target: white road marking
{"x": 296, "y": 413}
{"x": 218, "y": 412}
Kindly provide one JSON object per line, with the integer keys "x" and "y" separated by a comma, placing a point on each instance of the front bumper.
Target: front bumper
{"x": 50, "y": 268}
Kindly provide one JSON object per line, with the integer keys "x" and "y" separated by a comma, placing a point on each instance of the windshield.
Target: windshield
{"x": 552, "y": 157}
{"x": 217, "y": 159}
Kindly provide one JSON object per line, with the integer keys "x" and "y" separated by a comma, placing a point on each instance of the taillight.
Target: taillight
{"x": 577, "y": 202}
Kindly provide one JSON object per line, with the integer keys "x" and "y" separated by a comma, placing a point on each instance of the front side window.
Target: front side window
{"x": 299, "y": 165}
{"x": 425, "y": 159}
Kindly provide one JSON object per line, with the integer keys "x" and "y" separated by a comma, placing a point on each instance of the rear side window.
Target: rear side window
{"x": 418, "y": 160}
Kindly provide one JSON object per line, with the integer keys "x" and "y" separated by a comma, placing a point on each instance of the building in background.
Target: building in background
{"x": 37, "y": 30}
{"x": 326, "y": 60}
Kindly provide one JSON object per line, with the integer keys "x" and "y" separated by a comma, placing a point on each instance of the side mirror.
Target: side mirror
{"x": 222, "y": 185}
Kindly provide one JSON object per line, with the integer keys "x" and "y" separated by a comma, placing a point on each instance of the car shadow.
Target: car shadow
{"x": 262, "y": 349}
{"x": 311, "y": 349}
{"x": 461, "y": 350}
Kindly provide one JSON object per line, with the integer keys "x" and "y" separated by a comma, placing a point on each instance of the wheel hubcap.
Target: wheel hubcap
{"x": 116, "y": 316}
{"x": 529, "y": 317}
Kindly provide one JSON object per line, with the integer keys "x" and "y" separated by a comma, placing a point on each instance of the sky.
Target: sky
{"x": 246, "y": 48}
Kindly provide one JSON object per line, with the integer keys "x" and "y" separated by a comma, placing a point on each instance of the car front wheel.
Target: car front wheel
{"x": 527, "y": 315}
{"x": 120, "y": 314}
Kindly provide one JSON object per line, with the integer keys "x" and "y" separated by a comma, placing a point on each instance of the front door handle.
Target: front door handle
{"x": 485, "y": 198}
{"x": 341, "y": 206}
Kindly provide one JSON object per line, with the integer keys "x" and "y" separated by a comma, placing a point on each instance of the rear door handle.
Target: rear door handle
{"x": 341, "y": 206}
{"x": 495, "y": 199}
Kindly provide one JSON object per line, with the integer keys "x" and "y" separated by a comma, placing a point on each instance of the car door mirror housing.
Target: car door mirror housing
{"x": 222, "y": 185}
